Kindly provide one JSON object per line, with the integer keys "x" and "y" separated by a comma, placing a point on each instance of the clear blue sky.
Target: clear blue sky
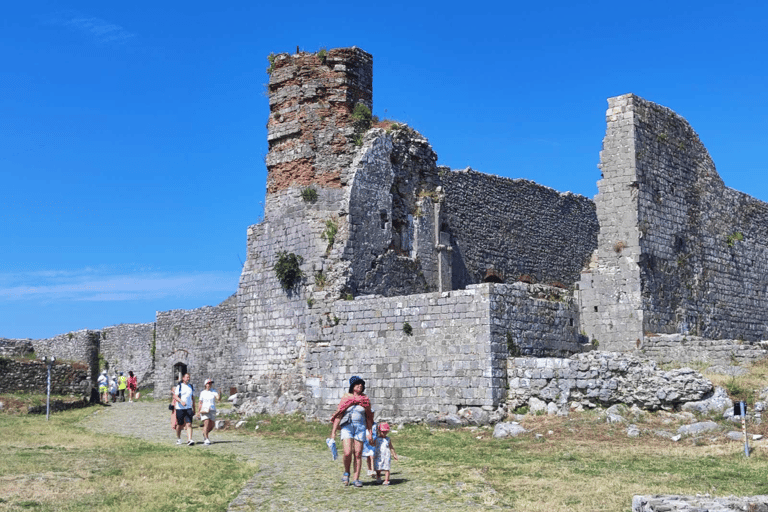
{"x": 132, "y": 134}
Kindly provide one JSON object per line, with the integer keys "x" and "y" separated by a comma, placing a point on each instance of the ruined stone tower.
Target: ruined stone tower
{"x": 311, "y": 100}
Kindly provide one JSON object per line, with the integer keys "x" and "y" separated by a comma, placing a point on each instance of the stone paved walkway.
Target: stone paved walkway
{"x": 290, "y": 476}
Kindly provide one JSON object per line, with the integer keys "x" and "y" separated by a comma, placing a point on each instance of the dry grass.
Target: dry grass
{"x": 54, "y": 465}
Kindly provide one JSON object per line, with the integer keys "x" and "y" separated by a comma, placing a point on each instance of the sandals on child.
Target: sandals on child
{"x": 345, "y": 478}
{"x": 357, "y": 483}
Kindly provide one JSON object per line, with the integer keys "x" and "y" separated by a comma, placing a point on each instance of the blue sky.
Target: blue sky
{"x": 132, "y": 134}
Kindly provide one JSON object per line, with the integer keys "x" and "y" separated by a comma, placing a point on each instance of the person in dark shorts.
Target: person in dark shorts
{"x": 184, "y": 394}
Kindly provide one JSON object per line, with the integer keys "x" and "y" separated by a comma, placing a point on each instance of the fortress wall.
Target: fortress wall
{"x": 704, "y": 263}
{"x": 678, "y": 252}
{"x": 80, "y": 346}
{"x": 516, "y": 227}
{"x": 679, "y": 349}
{"x": 609, "y": 292}
{"x": 205, "y": 339}
{"x": 32, "y": 377}
{"x": 129, "y": 347}
{"x": 455, "y": 356}
{"x": 445, "y": 363}
{"x": 536, "y": 320}
{"x": 274, "y": 322}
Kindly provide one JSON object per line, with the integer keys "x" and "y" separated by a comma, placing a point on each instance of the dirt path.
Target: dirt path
{"x": 291, "y": 477}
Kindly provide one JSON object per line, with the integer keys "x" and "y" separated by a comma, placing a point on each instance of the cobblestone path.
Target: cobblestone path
{"x": 290, "y": 476}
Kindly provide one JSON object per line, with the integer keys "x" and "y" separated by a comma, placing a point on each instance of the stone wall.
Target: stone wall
{"x": 454, "y": 356}
{"x": 32, "y": 377}
{"x": 678, "y": 252}
{"x": 601, "y": 378}
{"x": 517, "y": 229}
{"x": 79, "y": 346}
{"x": 129, "y": 347}
{"x": 205, "y": 340}
{"x": 15, "y": 347}
{"x": 714, "y": 354}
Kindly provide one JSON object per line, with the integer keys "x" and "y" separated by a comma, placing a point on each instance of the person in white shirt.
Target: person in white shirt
{"x": 103, "y": 387}
{"x": 207, "y": 407}
{"x": 185, "y": 408}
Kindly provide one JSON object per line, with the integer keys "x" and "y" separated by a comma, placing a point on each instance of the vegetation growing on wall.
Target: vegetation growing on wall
{"x": 361, "y": 122}
{"x": 329, "y": 233}
{"x": 309, "y": 195}
{"x": 287, "y": 269}
{"x": 271, "y": 58}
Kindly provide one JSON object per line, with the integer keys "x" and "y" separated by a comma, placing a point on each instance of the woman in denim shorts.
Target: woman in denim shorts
{"x": 355, "y": 418}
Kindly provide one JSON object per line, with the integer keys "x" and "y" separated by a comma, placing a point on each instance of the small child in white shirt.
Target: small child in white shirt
{"x": 383, "y": 453}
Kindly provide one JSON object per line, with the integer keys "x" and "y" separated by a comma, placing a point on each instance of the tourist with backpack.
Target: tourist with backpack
{"x": 184, "y": 394}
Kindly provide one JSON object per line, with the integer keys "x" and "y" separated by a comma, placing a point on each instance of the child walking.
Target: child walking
{"x": 383, "y": 453}
{"x": 369, "y": 450}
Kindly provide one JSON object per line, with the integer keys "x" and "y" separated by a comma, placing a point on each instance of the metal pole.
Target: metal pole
{"x": 48, "y": 397}
{"x": 743, "y": 406}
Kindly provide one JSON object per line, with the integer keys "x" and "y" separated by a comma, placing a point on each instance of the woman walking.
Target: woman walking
{"x": 355, "y": 418}
{"x": 207, "y": 408}
{"x": 133, "y": 385}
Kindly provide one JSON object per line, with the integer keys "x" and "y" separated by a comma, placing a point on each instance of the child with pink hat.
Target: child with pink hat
{"x": 383, "y": 453}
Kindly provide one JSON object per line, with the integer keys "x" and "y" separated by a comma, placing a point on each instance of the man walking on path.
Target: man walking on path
{"x": 185, "y": 408}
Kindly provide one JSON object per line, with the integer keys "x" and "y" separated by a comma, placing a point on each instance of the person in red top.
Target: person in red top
{"x": 132, "y": 386}
{"x": 355, "y": 418}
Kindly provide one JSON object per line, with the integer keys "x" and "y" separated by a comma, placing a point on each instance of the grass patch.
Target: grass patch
{"x": 56, "y": 465}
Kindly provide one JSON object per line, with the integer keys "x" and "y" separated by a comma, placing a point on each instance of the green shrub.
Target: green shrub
{"x": 361, "y": 122}
{"x": 287, "y": 269}
{"x": 271, "y": 58}
{"x": 329, "y": 233}
{"x": 407, "y": 329}
{"x": 309, "y": 195}
{"x": 322, "y": 54}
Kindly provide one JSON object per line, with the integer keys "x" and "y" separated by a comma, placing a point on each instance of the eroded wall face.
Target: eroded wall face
{"x": 678, "y": 252}
{"x": 704, "y": 262}
{"x": 516, "y": 228}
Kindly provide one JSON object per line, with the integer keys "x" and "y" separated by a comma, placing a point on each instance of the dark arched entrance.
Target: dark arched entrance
{"x": 179, "y": 369}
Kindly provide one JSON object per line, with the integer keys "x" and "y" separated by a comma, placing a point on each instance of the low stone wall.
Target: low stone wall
{"x": 15, "y": 348}
{"x": 671, "y": 503}
{"x": 32, "y": 377}
{"x": 681, "y": 349}
{"x": 601, "y": 378}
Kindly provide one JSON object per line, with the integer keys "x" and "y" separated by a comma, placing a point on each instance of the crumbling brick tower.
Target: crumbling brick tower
{"x": 311, "y": 100}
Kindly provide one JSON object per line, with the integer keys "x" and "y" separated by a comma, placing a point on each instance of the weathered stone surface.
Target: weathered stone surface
{"x": 716, "y": 404}
{"x": 512, "y": 429}
{"x": 604, "y": 378}
{"x": 698, "y": 428}
{"x": 671, "y": 503}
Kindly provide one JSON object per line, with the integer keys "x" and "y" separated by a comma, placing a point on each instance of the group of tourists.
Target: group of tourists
{"x": 112, "y": 389}
{"x": 361, "y": 437}
{"x": 182, "y": 408}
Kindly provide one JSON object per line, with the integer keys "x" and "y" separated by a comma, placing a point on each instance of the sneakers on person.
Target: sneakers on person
{"x": 178, "y": 441}
{"x": 190, "y": 442}
{"x": 207, "y": 442}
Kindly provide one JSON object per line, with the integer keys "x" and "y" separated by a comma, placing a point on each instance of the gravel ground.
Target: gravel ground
{"x": 293, "y": 477}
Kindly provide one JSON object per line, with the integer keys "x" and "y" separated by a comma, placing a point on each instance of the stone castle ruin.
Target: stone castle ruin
{"x": 443, "y": 288}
